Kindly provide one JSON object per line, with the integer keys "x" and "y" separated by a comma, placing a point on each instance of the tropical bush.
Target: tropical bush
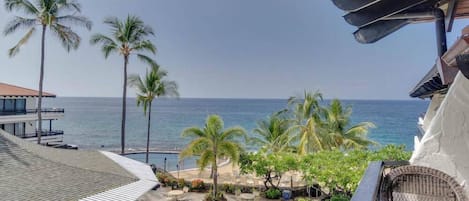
{"x": 340, "y": 172}
{"x": 165, "y": 178}
{"x": 198, "y": 185}
{"x": 218, "y": 197}
{"x": 339, "y": 197}
{"x": 273, "y": 193}
{"x": 181, "y": 183}
{"x": 268, "y": 166}
{"x": 228, "y": 188}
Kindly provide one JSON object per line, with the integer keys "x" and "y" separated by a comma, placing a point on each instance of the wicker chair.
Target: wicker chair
{"x": 417, "y": 183}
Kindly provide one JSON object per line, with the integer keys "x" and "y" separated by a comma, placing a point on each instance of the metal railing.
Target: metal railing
{"x": 32, "y": 111}
{"x": 369, "y": 187}
{"x": 44, "y": 133}
{"x": 47, "y": 110}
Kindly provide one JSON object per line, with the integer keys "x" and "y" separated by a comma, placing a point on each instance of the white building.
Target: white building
{"x": 18, "y": 114}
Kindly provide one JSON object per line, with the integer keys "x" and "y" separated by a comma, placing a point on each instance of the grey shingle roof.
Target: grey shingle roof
{"x": 32, "y": 172}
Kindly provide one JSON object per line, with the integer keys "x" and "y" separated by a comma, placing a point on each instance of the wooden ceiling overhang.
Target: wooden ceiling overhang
{"x": 375, "y": 19}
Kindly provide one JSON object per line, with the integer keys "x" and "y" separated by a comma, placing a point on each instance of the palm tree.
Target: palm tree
{"x": 58, "y": 16}
{"x": 307, "y": 122}
{"x": 273, "y": 133}
{"x": 127, "y": 38}
{"x": 342, "y": 135}
{"x": 306, "y": 107}
{"x": 152, "y": 86}
{"x": 212, "y": 143}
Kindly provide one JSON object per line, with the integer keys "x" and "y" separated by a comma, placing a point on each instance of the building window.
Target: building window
{"x": 20, "y": 105}
{"x": 9, "y": 105}
{"x": 1, "y": 105}
{"x": 9, "y": 128}
{"x": 19, "y": 129}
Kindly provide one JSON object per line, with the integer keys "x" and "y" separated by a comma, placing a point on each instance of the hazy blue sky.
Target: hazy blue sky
{"x": 235, "y": 49}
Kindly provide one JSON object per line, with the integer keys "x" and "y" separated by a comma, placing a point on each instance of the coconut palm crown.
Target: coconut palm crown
{"x": 343, "y": 135}
{"x": 272, "y": 133}
{"x": 57, "y": 16}
{"x": 127, "y": 38}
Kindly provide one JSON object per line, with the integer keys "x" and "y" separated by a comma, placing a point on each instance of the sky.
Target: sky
{"x": 233, "y": 49}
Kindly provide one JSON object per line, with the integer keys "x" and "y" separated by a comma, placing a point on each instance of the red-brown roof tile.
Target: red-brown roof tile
{"x": 12, "y": 90}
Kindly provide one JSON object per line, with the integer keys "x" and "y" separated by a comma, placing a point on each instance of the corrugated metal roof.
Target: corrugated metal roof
{"x": 25, "y": 175}
{"x": 429, "y": 84}
{"x": 12, "y": 90}
{"x": 128, "y": 192}
{"x": 32, "y": 172}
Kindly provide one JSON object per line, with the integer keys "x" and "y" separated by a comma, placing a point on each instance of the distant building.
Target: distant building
{"x": 18, "y": 114}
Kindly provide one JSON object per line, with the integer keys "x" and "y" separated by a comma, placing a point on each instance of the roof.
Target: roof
{"x": 434, "y": 81}
{"x": 12, "y": 90}
{"x": 376, "y": 19}
{"x": 429, "y": 84}
{"x": 32, "y": 172}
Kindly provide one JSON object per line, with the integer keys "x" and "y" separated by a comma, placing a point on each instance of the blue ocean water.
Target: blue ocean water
{"x": 95, "y": 122}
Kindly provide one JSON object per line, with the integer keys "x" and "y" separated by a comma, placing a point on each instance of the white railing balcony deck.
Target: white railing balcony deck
{"x": 7, "y": 117}
{"x": 47, "y": 137}
{"x": 44, "y": 133}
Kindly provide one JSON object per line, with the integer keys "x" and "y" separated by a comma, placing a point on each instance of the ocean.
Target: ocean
{"x": 94, "y": 123}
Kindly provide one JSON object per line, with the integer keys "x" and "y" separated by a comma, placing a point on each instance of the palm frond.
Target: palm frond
{"x": 68, "y": 38}
{"x": 148, "y": 60}
{"x": 193, "y": 132}
{"x": 71, "y": 5}
{"x": 17, "y": 23}
{"x": 75, "y": 20}
{"x": 23, "y": 5}
{"x": 232, "y": 133}
{"x": 108, "y": 45}
{"x": 14, "y": 50}
{"x": 145, "y": 45}
{"x": 205, "y": 159}
{"x": 229, "y": 149}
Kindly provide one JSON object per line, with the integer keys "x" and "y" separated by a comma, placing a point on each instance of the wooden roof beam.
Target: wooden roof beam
{"x": 450, "y": 14}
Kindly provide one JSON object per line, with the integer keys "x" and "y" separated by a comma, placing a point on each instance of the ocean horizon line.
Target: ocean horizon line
{"x": 236, "y": 98}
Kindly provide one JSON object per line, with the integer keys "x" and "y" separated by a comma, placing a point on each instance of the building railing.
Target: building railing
{"x": 32, "y": 111}
{"x": 47, "y": 110}
{"x": 44, "y": 133}
{"x": 370, "y": 184}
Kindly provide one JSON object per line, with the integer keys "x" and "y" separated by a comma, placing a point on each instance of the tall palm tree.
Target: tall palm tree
{"x": 273, "y": 135}
{"x": 212, "y": 143}
{"x": 127, "y": 38}
{"x": 152, "y": 86}
{"x": 58, "y": 16}
{"x": 342, "y": 134}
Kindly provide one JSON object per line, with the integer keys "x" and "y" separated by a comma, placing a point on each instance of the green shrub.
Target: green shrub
{"x": 273, "y": 193}
{"x": 219, "y": 196}
{"x": 302, "y": 199}
{"x": 228, "y": 188}
{"x": 198, "y": 185}
{"x": 181, "y": 183}
{"x": 340, "y": 197}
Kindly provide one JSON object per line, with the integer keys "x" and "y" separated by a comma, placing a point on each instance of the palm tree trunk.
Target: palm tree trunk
{"x": 124, "y": 97}
{"x": 148, "y": 132}
{"x": 41, "y": 80}
{"x": 215, "y": 176}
